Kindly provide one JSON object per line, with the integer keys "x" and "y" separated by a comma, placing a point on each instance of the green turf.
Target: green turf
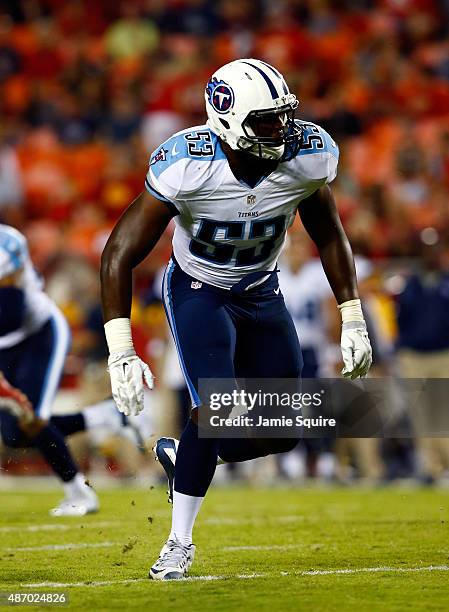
{"x": 307, "y": 529}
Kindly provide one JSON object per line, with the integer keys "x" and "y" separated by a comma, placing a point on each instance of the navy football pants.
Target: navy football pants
{"x": 35, "y": 366}
{"x": 219, "y": 334}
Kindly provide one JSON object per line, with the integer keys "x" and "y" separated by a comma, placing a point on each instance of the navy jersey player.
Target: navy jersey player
{"x": 233, "y": 187}
{"x": 34, "y": 339}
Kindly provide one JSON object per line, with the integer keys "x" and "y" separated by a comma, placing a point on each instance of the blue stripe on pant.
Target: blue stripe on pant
{"x": 219, "y": 334}
{"x": 35, "y": 366}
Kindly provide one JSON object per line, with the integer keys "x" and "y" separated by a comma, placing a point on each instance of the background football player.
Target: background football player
{"x": 309, "y": 300}
{"x": 233, "y": 187}
{"x": 34, "y": 340}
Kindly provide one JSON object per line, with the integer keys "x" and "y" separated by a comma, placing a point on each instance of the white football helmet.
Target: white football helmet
{"x": 13, "y": 250}
{"x": 250, "y": 107}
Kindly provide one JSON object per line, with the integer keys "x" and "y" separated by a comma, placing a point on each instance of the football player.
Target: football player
{"x": 34, "y": 339}
{"x": 233, "y": 187}
{"x": 308, "y": 298}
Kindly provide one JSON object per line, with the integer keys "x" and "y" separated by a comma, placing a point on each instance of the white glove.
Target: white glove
{"x": 128, "y": 374}
{"x": 355, "y": 349}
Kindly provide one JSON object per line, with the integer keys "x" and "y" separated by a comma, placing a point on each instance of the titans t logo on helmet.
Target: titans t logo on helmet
{"x": 220, "y": 95}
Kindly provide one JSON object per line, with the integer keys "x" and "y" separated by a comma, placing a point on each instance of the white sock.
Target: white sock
{"x": 185, "y": 511}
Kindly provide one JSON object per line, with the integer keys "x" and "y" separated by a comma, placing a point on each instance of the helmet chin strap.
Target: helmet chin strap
{"x": 266, "y": 152}
{"x": 261, "y": 151}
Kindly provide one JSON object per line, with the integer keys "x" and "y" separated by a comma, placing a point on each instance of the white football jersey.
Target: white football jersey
{"x": 38, "y": 306}
{"x": 304, "y": 292}
{"x": 225, "y": 229}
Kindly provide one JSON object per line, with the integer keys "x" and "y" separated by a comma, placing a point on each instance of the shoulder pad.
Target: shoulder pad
{"x": 198, "y": 143}
{"x": 315, "y": 139}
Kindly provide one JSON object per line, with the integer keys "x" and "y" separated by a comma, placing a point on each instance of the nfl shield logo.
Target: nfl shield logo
{"x": 196, "y": 285}
{"x": 251, "y": 200}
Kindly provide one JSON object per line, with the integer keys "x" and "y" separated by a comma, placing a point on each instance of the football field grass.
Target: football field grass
{"x": 257, "y": 549}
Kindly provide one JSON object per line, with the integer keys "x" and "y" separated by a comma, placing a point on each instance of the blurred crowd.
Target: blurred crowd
{"x": 89, "y": 89}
